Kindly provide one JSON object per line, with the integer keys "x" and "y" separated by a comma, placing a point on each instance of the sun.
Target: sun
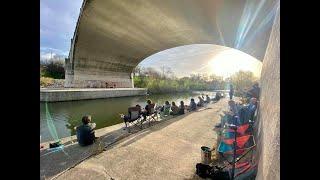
{"x": 231, "y": 61}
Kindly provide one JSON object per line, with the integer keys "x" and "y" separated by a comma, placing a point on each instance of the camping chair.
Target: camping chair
{"x": 134, "y": 118}
{"x": 242, "y": 170}
{"x": 240, "y": 131}
{"x": 152, "y": 114}
{"x": 236, "y": 147}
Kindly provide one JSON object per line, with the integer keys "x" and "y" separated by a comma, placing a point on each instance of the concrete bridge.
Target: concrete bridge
{"x": 112, "y": 37}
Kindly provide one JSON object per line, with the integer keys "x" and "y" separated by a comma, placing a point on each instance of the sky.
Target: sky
{"x": 203, "y": 59}
{"x": 58, "y": 20}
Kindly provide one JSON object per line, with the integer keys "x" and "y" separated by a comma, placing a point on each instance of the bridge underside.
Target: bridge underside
{"x": 112, "y": 37}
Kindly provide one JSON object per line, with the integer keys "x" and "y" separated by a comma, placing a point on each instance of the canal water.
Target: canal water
{"x": 64, "y": 116}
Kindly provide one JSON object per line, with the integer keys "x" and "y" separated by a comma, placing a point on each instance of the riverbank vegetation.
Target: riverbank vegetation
{"x": 52, "y": 74}
{"x": 52, "y": 69}
{"x": 166, "y": 82}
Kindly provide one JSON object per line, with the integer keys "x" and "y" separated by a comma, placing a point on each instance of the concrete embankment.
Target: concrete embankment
{"x": 72, "y": 94}
{"x": 168, "y": 149}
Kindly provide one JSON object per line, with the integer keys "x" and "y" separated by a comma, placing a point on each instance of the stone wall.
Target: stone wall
{"x": 98, "y": 79}
{"x": 53, "y": 95}
{"x": 269, "y": 114}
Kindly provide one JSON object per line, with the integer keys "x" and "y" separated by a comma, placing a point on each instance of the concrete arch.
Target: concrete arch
{"x": 112, "y": 36}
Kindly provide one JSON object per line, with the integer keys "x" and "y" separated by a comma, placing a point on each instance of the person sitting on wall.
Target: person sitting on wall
{"x": 166, "y": 108}
{"x": 174, "y": 109}
{"x": 192, "y": 106}
{"x": 148, "y": 109}
{"x": 207, "y": 99}
{"x": 181, "y": 108}
{"x": 85, "y": 132}
{"x": 201, "y": 102}
{"x": 217, "y": 96}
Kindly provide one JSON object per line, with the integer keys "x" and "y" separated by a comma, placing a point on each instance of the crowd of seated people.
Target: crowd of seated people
{"x": 86, "y": 134}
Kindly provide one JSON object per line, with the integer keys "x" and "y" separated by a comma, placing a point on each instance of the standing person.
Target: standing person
{"x": 181, "y": 108}
{"x": 85, "y": 132}
{"x": 231, "y": 91}
{"x": 174, "y": 109}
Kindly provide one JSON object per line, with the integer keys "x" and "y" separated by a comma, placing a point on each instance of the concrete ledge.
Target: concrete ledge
{"x": 73, "y": 94}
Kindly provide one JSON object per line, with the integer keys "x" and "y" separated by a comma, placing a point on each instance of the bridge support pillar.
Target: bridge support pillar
{"x": 269, "y": 114}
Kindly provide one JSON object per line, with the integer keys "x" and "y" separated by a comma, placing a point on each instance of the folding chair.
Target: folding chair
{"x": 240, "y": 131}
{"x": 134, "y": 118}
{"x": 152, "y": 114}
{"x": 236, "y": 148}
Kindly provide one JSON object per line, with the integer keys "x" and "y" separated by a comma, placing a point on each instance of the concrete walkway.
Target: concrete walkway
{"x": 167, "y": 150}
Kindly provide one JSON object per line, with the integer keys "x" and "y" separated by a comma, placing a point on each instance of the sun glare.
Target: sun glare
{"x": 231, "y": 61}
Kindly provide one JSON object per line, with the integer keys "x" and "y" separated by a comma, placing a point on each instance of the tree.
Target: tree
{"x": 53, "y": 69}
{"x": 242, "y": 80}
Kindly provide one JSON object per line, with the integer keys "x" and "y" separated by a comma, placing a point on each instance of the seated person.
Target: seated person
{"x": 181, "y": 108}
{"x": 254, "y": 92}
{"x": 166, "y": 109}
{"x": 207, "y": 99}
{"x": 192, "y": 106}
{"x": 217, "y": 96}
{"x": 246, "y": 113}
{"x": 201, "y": 102}
{"x": 174, "y": 109}
{"x": 233, "y": 108}
{"x": 127, "y": 118}
{"x": 85, "y": 132}
{"x": 148, "y": 109}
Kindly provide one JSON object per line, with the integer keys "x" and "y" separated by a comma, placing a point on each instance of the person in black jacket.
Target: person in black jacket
{"x": 85, "y": 132}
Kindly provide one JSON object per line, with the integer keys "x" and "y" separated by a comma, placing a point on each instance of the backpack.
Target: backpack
{"x": 216, "y": 173}
{"x": 203, "y": 170}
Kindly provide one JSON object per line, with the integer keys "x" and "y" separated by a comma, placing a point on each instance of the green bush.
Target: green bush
{"x": 53, "y": 69}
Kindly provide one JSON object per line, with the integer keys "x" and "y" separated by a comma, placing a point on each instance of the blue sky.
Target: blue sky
{"x": 58, "y": 19}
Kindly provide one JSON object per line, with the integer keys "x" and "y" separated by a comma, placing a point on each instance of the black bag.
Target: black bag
{"x": 54, "y": 145}
{"x": 203, "y": 170}
{"x": 216, "y": 173}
